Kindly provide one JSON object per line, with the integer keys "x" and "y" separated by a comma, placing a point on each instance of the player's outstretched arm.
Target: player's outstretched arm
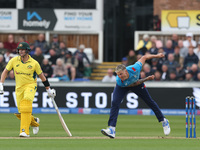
{"x": 150, "y": 56}
{"x": 3, "y": 77}
{"x": 140, "y": 81}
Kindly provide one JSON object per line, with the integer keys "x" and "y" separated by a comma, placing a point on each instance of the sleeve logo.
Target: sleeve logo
{"x": 133, "y": 69}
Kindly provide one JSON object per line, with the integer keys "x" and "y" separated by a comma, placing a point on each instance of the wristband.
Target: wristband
{"x": 46, "y": 83}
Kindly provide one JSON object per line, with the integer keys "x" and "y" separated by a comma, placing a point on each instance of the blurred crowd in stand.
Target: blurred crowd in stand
{"x": 181, "y": 61}
{"x": 61, "y": 64}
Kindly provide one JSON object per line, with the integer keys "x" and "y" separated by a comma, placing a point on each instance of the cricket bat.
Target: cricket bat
{"x": 61, "y": 118}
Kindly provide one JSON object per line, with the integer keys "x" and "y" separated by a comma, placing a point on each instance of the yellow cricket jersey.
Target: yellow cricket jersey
{"x": 25, "y": 73}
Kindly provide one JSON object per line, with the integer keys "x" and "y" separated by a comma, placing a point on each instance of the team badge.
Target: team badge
{"x": 29, "y": 67}
{"x": 17, "y": 65}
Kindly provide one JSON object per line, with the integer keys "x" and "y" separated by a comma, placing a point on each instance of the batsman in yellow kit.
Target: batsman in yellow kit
{"x": 26, "y": 69}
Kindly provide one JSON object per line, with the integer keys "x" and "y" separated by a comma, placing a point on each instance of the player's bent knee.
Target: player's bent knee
{"x": 34, "y": 123}
{"x": 25, "y": 106}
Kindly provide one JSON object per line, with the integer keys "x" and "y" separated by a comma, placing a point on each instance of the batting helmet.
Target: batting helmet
{"x": 23, "y": 45}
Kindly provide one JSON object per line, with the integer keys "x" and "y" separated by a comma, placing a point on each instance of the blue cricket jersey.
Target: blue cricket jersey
{"x": 134, "y": 73}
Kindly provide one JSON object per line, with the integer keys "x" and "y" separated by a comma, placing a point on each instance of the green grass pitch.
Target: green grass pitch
{"x": 132, "y": 132}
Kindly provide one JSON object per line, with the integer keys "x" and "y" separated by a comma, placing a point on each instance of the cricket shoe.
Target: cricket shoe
{"x": 23, "y": 134}
{"x": 166, "y": 127}
{"x": 36, "y": 129}
{"x": 108, "y": 132}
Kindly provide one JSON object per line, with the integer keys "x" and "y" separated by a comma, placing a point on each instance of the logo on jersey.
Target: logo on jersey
{"x": 29, "y": 67}
{"x": 17, "y": 65}
{"x": 22, "y": 73}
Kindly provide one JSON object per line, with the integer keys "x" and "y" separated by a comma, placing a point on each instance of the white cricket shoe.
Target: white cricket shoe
{"x": 166, "y": 127}
{"x": 23, "y": 134}
{"x": 36, "y": 129}
{"x": 108, "y": 132}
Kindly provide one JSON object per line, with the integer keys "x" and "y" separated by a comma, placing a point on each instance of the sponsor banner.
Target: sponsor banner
{"x": 8, "y": 19}
{"x": 37, "y": 19}
{"x": 101, "y": 97}
{"x": 98, "y": 111}
{"x": 78, "y": 20}
{"x": 51, "y": 19}
{"x": 180, "y": 20}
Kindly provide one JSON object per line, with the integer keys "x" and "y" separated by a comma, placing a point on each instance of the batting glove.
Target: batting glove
{"x": 51, "y": 92}
{"x": 1, "y": 89}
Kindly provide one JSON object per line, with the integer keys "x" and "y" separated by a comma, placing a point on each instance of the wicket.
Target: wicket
{"x": 192, "y": 114}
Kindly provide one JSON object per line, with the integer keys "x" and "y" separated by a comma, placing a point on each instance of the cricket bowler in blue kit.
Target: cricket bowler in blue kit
{"x": 128, "y": 80}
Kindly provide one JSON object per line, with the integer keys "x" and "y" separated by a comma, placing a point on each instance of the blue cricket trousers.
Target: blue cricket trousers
{"x": 141, "y": 91}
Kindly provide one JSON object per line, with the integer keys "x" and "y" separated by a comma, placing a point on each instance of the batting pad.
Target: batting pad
{"x": 33, "y": 122}
{"x": 26, "y": 110}
{"x": 18, "y": 115}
